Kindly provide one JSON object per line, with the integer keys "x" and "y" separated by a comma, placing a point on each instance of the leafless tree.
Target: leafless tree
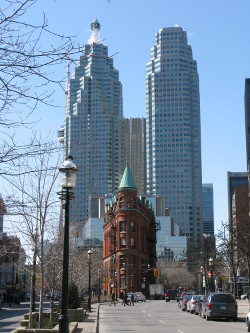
{"x": 38, "y": 211}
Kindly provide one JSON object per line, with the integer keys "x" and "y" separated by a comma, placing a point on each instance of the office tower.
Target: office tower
{"x": 234, "y": 179}
{"x": 92, "y": 129}
{"x": 247, "y": 117}
{"x": 135, "y": 150}
{"x": 173, "y": 142}
{"x": 208, "y": 209}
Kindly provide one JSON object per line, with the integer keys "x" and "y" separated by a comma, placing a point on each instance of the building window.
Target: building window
{"x": 132, "y": 202}
{"x": 123, "y": 226}
{"x": 132, "y": 226}
{"x": 123, "y": 242}
{"x": 122, "y": 202}
{"x": 132, "y": 281}
{"x": 132, "y": 242}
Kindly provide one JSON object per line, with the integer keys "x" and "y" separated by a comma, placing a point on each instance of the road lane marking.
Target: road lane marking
{"x": 163, "y": 322}
{"x": 149, "y": 315}
{"x": 180, "y": 331}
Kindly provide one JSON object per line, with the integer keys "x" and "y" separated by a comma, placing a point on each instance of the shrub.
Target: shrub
{"x": 74, "y": 299}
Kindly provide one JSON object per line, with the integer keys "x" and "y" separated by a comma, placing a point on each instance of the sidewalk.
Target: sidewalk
{"x": 243, "y": 308}
{"x": 90, "y": 323}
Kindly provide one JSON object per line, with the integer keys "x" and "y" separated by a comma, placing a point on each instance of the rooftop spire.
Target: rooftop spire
{"x": 95, "y": 27}
{"x": 127, "y": 181}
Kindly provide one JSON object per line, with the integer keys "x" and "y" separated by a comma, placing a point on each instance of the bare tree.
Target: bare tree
{"x": 39, "y": 207}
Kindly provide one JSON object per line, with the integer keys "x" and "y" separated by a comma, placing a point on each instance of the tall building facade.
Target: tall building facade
{"x": 208, "y": 209}
{"x": 129, "y": 240}
{"x": 247, "y": 117}
{"x": 173, "y": 140}
{"x": 234, "y": 179}
{"x": 135, "y": 150}
{"x": 93, "y": 122}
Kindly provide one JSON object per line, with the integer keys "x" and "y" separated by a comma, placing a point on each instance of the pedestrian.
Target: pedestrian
{"x": 124, "y": 301}
{"x": 132, "y": 299}
{"x": 112, "y": 299}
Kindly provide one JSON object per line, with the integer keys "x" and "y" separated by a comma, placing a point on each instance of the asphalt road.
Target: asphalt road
{"x": 160, "y": 316}
{"x": 10, "y": 317}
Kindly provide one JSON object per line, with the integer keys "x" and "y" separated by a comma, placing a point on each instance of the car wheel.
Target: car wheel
{"x": 207, "y": 318}
{"x": 248, "y": 326}
{"x": 234, "y": 318}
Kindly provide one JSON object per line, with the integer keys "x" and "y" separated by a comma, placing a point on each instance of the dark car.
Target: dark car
{"x": 220, "y": 305}
{"x": 184, "y": 301}
{"x": 198, "y": 305}
{"x": 171, "y": 294}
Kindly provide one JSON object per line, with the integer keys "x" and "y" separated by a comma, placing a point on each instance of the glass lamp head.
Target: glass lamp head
{"x": 68, "y": 173}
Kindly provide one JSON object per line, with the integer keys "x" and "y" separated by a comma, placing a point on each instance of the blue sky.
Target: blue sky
{"x": 219, "y": 33}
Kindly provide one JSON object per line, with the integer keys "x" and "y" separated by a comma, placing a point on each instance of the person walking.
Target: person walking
{"x": 132, "y": 299}
{"x": 112, "y": 299}
{"x": 124, "y": 301}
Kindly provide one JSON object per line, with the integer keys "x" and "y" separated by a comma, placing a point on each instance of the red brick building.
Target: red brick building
{"x": 129, "y": 240}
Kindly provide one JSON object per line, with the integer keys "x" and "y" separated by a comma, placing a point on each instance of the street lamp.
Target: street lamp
{"x": 89, "y": 262}
{"x": 99, "y": 291}
{"x": 115, "y": 285}
{"x": 68, "y": 181}
{"x": 201, "y": 280}
{"x": 211, "y": 262}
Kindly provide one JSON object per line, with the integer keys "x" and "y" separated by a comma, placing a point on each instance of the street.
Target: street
{"x": 10, "y": 317}
{"x": 159, "y": 316}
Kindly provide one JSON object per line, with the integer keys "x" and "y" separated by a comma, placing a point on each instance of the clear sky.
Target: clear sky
{"x": 219, "y": 33}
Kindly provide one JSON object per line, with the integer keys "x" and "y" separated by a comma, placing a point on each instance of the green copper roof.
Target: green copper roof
{"x": 127, "y": 180}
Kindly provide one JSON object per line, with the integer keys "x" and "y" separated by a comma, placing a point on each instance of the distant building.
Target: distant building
{"x": 171, "y": 245}
{"x": 129, "y": 240}
{"x": 92, "y": 132}
{"x": 234, "y": 179}
{"x": 208, "y": 209}
{"x": 135, "y": 150}
{"x": 173, "y": 139}
{"x": 247, "y": 118}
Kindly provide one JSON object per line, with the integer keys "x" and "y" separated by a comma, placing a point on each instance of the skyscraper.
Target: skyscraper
{"x": 247, "y": 117}
{"x": 208, "y": 209}
{"x": 173, "y": 141}
{"x": 92, "y": 129}
{"x": 135, "y": 150}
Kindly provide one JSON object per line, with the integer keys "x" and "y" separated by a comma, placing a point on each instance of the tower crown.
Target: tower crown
{"x": 127, "y": 181}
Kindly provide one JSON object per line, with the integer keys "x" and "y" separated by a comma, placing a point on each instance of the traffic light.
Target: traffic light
{"x": 155, "y": 272}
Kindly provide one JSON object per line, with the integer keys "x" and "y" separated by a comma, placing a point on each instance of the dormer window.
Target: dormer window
{"x": 122, "y": 202}
{"x": 132, "y": 202}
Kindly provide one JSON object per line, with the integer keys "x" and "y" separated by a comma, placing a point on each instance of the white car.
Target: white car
{"x": 248, "y": 321}
{"x": 140, "y": 297}
{"x": 191, "y": 303}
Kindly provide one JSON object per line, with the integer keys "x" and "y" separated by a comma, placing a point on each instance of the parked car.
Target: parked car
{"x": 198, "y": 305}
{"x": 181, "y": 296}
{"x": 220, "y": 305}
{"x": 140, "y": 297}
{"x": 171, "y": 294}
{"x": 184, "y": 301}
{"x": 192, "y": 302}
{"x": 248, "y": 321}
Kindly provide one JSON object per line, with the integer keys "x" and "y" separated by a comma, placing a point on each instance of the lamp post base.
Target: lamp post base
{"x": 89, "y": 304}
{"x": 63, "y": 324}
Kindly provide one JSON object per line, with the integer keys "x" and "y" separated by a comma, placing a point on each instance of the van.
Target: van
{"x": 171, "y": 294}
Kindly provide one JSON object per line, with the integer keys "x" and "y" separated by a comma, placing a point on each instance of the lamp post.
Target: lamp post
{"x": 89, "y": 262}
{"x": 68, "y": 181}
{"x": 115, "y": 285}
{"x": 211, "y": 262}
{"x": 201, "y": 280}
{"x": 99, "y": 291}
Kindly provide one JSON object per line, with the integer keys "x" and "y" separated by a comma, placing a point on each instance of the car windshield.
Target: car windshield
{"x": 222, "y": 298}
{"x": 188, "y": 297}
{"x": 196, "y": 297}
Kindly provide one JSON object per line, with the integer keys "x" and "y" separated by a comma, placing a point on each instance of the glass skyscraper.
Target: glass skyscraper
{"x": 208, "y": 209}
{"x": 173, "y": 142}
{"x": 92, "y": 129}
